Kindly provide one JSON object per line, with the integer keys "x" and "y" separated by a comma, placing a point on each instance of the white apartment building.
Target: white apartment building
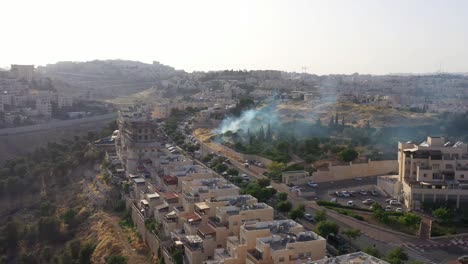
{"x": 434, "y": 171}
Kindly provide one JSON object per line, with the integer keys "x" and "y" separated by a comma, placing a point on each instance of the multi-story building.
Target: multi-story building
{"x": 278, "y": 241}
{"x": 23, "y": 71}
{"x": 434, "y": 171}
{"x": 139, "y": 137}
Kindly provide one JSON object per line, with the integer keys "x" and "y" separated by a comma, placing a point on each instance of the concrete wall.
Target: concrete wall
{"x": 389, "y": 184}
{"x": 206, "y": 149}
{"x": 345, "y": 172}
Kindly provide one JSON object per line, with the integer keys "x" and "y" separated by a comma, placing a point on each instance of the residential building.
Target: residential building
{"x": 278, "y": 241}
{"x": 23, "y": 71}
{"x": 435, "y": 171}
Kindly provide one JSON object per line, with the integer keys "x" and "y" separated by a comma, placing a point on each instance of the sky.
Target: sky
{"x": 329, "y": 36}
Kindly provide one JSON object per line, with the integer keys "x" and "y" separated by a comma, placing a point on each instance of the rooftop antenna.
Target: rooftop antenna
{"x": 304, "y": 69}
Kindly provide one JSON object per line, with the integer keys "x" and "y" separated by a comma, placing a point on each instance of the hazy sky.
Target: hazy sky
{"x": 373, "y": 36}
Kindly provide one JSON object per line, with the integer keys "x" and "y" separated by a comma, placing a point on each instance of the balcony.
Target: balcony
{"x": 256, "y": 257}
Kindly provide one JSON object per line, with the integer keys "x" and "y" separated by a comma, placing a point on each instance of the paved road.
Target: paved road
{"x": 57, "y": 124}
{"x": 383, "y": 240}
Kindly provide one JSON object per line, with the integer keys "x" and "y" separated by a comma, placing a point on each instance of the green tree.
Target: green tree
{"x": 409, "y": 219}
{"x": 178, "y": 256}
{"x": 74, "y": 248}
{"x": 10, "y": 233}
{"x": 297, "y": 212}
{"x": 348, "y": 154}
{"x": 116, "y": 259}
{"x": 372, "y": 251}
{"x": 263, "y": 182}
{"x": 352, "y": 233}
{"x": 282, "y": 196}
{"x": 396, "y": 256}
{"x": 284, "y": 206}
{"x": 276, "y": 167}
{"x": 221, "y": 168}
{"x": 326, "y": 228}
{"x": 46, "y": 254}
{"x": 28, "y": 259}
{"x": 232, "y": 172}
{"x": 48, "y": 229}
{"x": 320, "y": 216}
{"x": 86, "y": 252}
{"x": 442, "y": 214}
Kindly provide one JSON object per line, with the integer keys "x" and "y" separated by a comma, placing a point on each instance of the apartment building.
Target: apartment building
{"x": 434, "y": 171}
{"x": 199, "y": 190}
{"x": 278, "y": 241}
{"x": 139, "y": 136}
{"x": 22, "y": 71}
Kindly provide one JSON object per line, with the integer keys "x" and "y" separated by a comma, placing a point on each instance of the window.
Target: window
{"x": 462, "y": 176}
{"x": 435, "y": 166}
{"x": 301, "y": 255}
{"x": 424, "y": 175}
{"x": 139, "y": 137}
{"x": 146, "y": 137}
{"x": 448, "y": 166}
{"x": 139, "y": 130}
{"x": 281, "y": 259}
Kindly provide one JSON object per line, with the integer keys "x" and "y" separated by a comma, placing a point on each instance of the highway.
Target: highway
{"x": 57, "y": 124}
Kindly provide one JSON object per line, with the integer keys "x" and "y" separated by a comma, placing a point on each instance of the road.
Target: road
{"x": 56, "y": 124}
{"x": 383, "y": 240}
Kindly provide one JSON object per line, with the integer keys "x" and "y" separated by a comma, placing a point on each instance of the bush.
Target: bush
{"x": 326, "y": 228}
{"x": 284, "y": 206}
{"x": 282, "y": 196}
{"x": 337, "y": 205}
{"x": 116, "y": 259}
{"x": 348, "y": 155}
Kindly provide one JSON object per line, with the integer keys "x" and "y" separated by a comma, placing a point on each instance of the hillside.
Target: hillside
{"x": 357, "y": 115}
{"x": 108, "y": 78}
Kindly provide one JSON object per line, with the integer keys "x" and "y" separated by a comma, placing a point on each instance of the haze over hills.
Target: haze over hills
{"x": 108, "y": 78}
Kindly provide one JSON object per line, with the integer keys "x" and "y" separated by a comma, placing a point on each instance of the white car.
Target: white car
{"x": 295, "y": 188}
{"x": 312, "y": 184}
{"x": 345, "y": 193}
{"x": 363, "y": 192}
{"x": 350, "y": 203}
{"x": 394, "y": 202}
{"x": 368, "y": 201}
{"x": 358, "y": 178}
{"x": 399, "y": 210}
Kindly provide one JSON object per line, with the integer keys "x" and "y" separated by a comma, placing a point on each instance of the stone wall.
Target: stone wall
{"x": 345, "y": 172}
{"x": 206, "y": 149}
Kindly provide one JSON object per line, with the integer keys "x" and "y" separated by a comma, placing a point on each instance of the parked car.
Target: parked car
{"x": 352, "y": 193}
{"x": 388, "y": 208}
{"x": 390, "y": 199}
{"x": 312, "y": 184}
{"x": 345, "y": 194}
{"x": 245, "y": 176}
{"x": 333, "y": 200}
{"x": 363, "y": 192}
{"x": 394, "y": 202}
{"x": 463, "y": 259}
{"x": 309, "y": 217}
{"x": 295, "y": 188}
{"x": 374, "y": 193}
{"x": 339, "y": 194}
{"x": 358, "y": 178}
{"x": 350, "y": 203}
{"x": 368, "y": 201}
{"x": 399, "y": 210}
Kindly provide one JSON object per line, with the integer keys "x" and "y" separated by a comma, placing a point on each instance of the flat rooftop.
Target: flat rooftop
{"x": 353, "y": 258}
{"x": 280, "y": 240}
